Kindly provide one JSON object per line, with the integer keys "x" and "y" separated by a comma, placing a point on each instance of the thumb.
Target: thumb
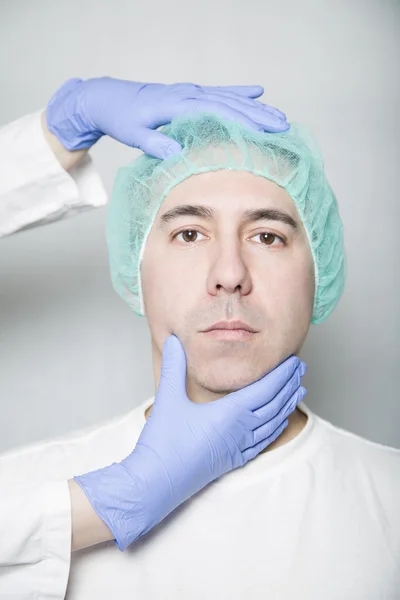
{"x": 155, "y": 143}
{"x": 173, "y": 368}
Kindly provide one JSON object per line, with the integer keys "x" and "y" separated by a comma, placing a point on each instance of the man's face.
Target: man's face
{"x": 222, "y": 259}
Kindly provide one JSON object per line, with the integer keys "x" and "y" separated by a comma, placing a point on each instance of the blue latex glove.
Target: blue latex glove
{"x": 80, "y": 112}
{"x": 184, "y": 446}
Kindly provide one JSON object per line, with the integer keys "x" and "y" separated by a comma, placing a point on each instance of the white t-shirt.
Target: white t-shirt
{"x": 317, "y": 518}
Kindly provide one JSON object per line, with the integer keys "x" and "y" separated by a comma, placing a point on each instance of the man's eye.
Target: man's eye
{"x": 189, "y": 235}
{"x": 269, "y": 239}
{"x": 192, "y": 235}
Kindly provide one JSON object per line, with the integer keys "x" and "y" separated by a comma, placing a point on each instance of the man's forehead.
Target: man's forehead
{"x": 228, "y": 192}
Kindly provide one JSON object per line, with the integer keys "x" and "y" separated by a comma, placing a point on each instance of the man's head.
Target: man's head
{"x": 228, "y": 245}
{"x": 240, "y": 226}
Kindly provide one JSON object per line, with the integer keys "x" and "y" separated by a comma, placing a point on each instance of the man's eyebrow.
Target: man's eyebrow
{"x": 270, "y": 214}
{"x": 187, "y": 210}
{"x": 198, "y": 210}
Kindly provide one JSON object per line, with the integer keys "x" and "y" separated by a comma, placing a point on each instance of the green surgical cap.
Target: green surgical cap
{"x": 209, "y": 143}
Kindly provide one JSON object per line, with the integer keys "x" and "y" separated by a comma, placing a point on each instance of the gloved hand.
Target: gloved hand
{"x": 184, "y": 446}
{"x": 80, "y": 112}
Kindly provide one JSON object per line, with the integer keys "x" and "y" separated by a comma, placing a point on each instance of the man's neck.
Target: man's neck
{"x": 297, "y": 422}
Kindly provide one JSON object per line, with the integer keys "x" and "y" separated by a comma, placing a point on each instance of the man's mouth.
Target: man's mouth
{"x": 230, "y": 330}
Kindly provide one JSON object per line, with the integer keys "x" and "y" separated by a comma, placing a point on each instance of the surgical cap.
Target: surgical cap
{"x": 209, "y": 143}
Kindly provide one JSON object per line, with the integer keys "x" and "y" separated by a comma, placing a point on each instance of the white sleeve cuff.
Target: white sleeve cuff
{"x": 35, "y": 546}
{"x": 34, "y": 187}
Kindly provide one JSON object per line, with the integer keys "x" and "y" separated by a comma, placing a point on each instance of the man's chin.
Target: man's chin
{"x": 222, "y": 372}
{"x": 223, "y": 382}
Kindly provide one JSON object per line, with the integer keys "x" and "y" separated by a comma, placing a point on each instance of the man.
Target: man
{"x": 45, "y": 175}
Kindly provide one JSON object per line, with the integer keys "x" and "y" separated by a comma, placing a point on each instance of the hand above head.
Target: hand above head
{"x": 82, "y": 111}
{"x": 184, "y": 446}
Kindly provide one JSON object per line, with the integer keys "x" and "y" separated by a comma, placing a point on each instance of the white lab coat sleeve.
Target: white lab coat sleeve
{"x": 34, "y": 187}
{"x": 35, "y": 541}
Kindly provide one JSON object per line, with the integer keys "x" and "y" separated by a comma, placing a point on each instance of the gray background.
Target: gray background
{"x": 71, "y": 353}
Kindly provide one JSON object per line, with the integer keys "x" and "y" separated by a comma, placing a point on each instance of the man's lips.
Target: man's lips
{"x": 230, "y": 326}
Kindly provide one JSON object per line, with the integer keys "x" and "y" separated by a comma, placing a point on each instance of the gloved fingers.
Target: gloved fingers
{"x": 249, "y": 91}
{"x": 173, "y": 370}
{"x": 268, "y": 411}
{"x": 252, "y": 452}
{"x": 264, "y": 431}
{"x": 258, "y": 112}
{"x": 155, "y": 143}
{"x": 192, "y": 90}
{"x": 263, "y": 391}
{"x": 222, "y": 108}
{"x": 249, "y": 101}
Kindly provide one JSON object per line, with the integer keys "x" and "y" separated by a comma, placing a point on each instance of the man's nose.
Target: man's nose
{"x": 228, "y": 271}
